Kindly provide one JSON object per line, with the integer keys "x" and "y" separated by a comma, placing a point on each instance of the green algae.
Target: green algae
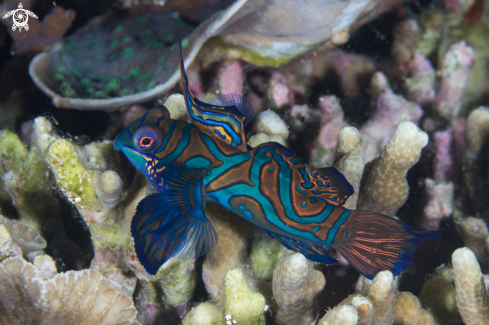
{"x": 26, "y": 177}
{"x": 240, "y": 303}
{"x": 263, "y": 255}
{"x": 178, "y": 283}
{"x": 216, "y": 46}
{"x": 72, "y": 178}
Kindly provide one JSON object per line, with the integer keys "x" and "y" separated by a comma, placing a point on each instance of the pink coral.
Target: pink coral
{"x": 231, "y": 78}
{"x": 455, "y": 70}
{"x": 420, "y": 86}
{"x": 331, "y": 124}
{"x": 443, "y": 158}
{"x": 439, "y": 205}
{"x": 391, "y": 109}
{"x": 350, "y": 67}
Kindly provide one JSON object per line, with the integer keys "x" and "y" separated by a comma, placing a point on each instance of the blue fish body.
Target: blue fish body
{"x": 208, "y": 160}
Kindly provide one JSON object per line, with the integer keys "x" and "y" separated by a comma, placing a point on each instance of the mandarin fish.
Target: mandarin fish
{"x": 269, "y": 185}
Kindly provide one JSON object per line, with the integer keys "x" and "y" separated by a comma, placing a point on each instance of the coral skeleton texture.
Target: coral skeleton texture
{"x": 399, "y": 107}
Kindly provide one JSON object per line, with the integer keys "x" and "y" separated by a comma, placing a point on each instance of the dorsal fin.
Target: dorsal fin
{"x": 238, "y": 101}
{"x": 223, "y": 123}
{"x": 331, "y": 179}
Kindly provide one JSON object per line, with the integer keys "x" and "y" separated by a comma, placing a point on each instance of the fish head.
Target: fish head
{"x": 140, "y": 140}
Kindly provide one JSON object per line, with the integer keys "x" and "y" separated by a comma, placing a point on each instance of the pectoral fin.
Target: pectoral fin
{"x": 172, "y": 223}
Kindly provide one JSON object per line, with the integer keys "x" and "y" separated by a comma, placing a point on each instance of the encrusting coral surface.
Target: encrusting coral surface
{"x": 399, "y": 107}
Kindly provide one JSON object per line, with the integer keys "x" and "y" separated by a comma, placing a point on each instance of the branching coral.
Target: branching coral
{"x": 378, "y": 303}
{"x": 80, "y": 297}
{"x": 384, "y": 188}
{"x": 296, "y": 285}
{"x": 472, "y": 297}
{"x": 241, "y": 305}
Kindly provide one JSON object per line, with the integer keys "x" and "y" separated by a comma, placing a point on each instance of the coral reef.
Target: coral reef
{"x": 472, "y": 296}
{"x": 384, "y": 189}
{"x": 296, "y": 285}
{"x": 400, "y": 109}
{"x": 75, "y": 297}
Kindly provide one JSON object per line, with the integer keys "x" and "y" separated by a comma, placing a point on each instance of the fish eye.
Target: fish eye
{"x": 146, "y": 141}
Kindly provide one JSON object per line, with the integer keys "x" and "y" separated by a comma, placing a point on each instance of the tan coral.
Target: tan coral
{"x": 204, "y": 313}
{"x": 177, "y": 108}
{"x": 296, "y": 285}
{"x": 384, "y": 187}
{"x": 348, "y": 142}
{"x": 477, "y": 129}
{"x": 74, "y": 297}
{"x": 270, "y": 123}
{"x": 109, "y": 188}
{"x": 25, "y": 237}
{"x": 409, "y": 311}
{"x": 8, "y": 248}
{"x": 349, "y": 162}
{"x": 259, "y": 138}
{"x": 476, "y": 236}
{"x": 340, "y": 315}
{"x": 373, "y": 306}
{"x": 229, "y": 251}
{"x": 472, "y": 297}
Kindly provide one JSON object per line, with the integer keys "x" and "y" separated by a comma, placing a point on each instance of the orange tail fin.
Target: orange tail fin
{"x": 372, "y": 242}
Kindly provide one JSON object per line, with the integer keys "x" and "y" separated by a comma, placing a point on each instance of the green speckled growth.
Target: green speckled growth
{"x": 178, "y": 283}
{"x": 26, "y": 178}
{"x": 71, "y": 176}
{"x": 264, "y": 253}
{"x": 240, "y": 303}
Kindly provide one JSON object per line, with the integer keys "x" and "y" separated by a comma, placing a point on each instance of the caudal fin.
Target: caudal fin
{"x": 372, "y": 242}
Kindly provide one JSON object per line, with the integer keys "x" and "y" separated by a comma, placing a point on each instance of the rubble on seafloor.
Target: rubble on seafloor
{"x": 409, "y": 130}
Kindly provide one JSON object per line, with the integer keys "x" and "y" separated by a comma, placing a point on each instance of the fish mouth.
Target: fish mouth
{"x": 137, "y": 158}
